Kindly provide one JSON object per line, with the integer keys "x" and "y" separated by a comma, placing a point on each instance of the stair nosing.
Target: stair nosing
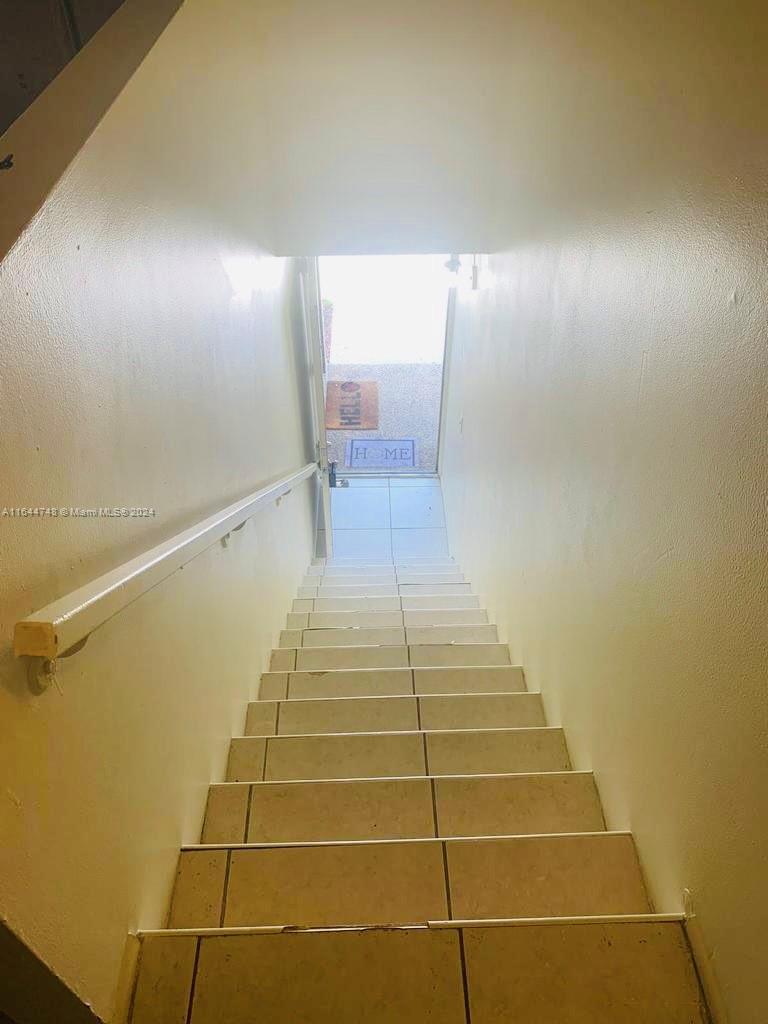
{"x": 398, "y": 732}
{"x": 323, "y": 843}
{"x": 406, "y": 778}
{"x": 458, "y": 923}
{"x": 393, "y": 668}
{"x": 398, "y": 696}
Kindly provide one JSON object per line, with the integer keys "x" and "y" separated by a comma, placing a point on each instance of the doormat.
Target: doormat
{"x": 380, "y": 453}
{"x": 352, "y": 405}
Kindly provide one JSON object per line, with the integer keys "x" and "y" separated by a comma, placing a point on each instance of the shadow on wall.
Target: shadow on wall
{"x": 31, "y": 993}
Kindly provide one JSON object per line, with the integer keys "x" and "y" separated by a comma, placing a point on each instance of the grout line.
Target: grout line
{"x": 277, "y": 718}
{"x": 248, "y": 813}
{"x": 464, "y": 979}
{"x": 264, "y": 765}
{"x": 426, "y": 756}
{"x": 447, "y": 880}
{"x": 188, "y": 1016}
{"x": 418, "y": 714}
{"x": 391, "y": 545}
{"x": 434, "y": 807}
{"x": 226, "y": 888}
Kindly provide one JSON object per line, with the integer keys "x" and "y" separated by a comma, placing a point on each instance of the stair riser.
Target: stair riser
{"x": 388, "y": 636}
{"x": 379, "y": 579}
{"x": 385, "y": 604}
{"x": 390, "y": 682}
{"x": 613, "y": 973}
{"x": 342, "y": 620}
{"x": 383, "y": 590}
{"x": 408, "y": 882}
{"x": 393, "y": 714}
{"x": 283, "y": 758}
{"x": 422, "y": 656}
{"x": 298, "y": 812}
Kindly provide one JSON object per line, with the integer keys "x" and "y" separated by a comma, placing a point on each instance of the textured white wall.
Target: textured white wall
{"x": 146, "y": 360}
{"x": 606, "y": 420}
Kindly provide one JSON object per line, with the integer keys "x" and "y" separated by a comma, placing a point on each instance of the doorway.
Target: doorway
{"x": 384, "y": 326}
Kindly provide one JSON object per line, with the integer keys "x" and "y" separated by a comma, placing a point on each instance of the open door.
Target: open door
{"x": 313, "y": 332}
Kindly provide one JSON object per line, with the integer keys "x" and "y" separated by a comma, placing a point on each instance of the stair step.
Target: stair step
{"x": 392, "y": 603}
{"x": 394, "y": 714}
{"x": 433, "y": 617}
{"x": 408, "y": 881}
{"x": 612, "y": 971}
{"x": 289, "y": 659}
{"x": 369, "y": 569}
{"x": 402, "y": 808}
{"x": 404, "y": 560}
{"x": 383, "y": 754}
{"x": 380, "y": 578}
{"x": 382, "y": 589}
{"x": 357, "y": 636}
{"x": 394, "y": 682}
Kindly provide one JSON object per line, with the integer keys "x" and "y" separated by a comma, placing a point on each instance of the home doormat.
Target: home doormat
{"x": 380, "y": 453}
{"x": 352, "y": 405}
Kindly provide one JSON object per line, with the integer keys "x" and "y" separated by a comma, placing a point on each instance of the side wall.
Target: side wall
{"x": 604, "y": 473}
{"x": 146, "y": 360}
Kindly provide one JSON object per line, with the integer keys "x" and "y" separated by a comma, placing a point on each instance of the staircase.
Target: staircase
{"x": 401, "y": 838}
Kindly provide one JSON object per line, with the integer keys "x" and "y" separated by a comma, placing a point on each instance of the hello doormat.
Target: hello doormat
{"x": 352, "y": 405}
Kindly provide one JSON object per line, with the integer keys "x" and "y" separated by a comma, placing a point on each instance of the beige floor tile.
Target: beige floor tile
{"x": 225, "y": 814}
{"x": 273, "y": 686}
{"x": 367, "y": 714}
{"x": 545, "y": 876}
{"x": 302, "y": 605}
{"x": 487, "y": 679}
{"x": 357, "y": 604}
{"x": 446, "y": 617}
{"x": 422, "y": 589}
{"x": 414, "y": 603}
{"x": 321, "y": 620}
{"x": 304, "y": 593}
{"x": 414, "y": 576}
{"x": 516, "y": 805}
{"x": 321, "y": 811}
{"x": 164, "y": 979}
{"x": 282, "y": 660}
{"x": 298, "y": 620}
{"x": 376, "y": 883}
{"x": 352, "y": 590}
{"x": 581, "y": 974}
{"x": 199, "y": 889}
{"x": 366, "y": 756}
{"x": 350, "y": 683}
{"x": 380, "y": 977}
{"x": 359, "y": 570}
{"x": 469, "y": 634}
{"x": 368, "y": 580}
{"x": 513, "y": 750}
{"x": 310, "y": 658}
{"x": 437, "y": 655}
{"x": 290, "y": 638}
{"x": 246, "y": 759}
{"x": 261, "y": 718}
{"x": 482, "y": 711}
{"x": 346, "y": 637}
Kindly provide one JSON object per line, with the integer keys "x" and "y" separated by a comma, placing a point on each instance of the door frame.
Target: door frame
{"x": 311, "y": 307}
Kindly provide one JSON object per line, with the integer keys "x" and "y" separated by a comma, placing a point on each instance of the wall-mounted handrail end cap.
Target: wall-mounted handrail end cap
{"x": 35, "y": 638}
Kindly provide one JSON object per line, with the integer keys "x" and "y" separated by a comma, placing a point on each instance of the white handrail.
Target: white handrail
{"x": 68, "y": 622}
